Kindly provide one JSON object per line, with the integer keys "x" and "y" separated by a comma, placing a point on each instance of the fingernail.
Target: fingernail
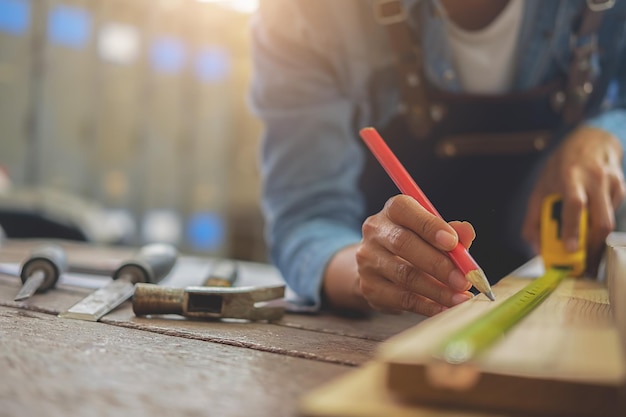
{"x": 571, "y": 245}
{"x": 460, "y": 298}
{"x": 457, "y": 280}
{"x": 445, "y": 239}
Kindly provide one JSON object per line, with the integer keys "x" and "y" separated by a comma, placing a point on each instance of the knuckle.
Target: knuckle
{"x": 442, "y": 297}
{"x": 396, "y": 207}
{"x": 392, "y": 206}
{"x": 367, "y": 289}
{"x": 428, "y": 225}
{"x": 409, "y": 301}
{"x": 403, "y": 274}
{"x": 606, "y": 227}
{"x": 369, "y": 226}
{"x": 598, "y": 173}
{"x": 361, "y": 255}
{"x": 575, "y": 202}
{"x": 399, "y": 239}
{"x": 442, "y": 266}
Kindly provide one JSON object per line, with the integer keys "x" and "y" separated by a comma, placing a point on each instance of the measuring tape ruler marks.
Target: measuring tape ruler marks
{"x": 470, "y": 341}
{"x": 465, "y": 344}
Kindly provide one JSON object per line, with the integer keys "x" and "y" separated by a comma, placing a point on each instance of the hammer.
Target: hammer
{"x": 209, "y": 302}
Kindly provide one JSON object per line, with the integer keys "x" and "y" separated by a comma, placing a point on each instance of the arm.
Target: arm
{"x": 310, "y": 160}
{"x": 311, "y": 163}
{"x": 587, "y": 170}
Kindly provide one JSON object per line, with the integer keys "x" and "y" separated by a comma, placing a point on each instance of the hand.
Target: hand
{"x": 402, "y": 261}
{"x": 586, "y": 171}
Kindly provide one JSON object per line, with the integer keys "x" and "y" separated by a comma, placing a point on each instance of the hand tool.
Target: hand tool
{"x": 209, "y": 302}
{"x": 223, "y": 273}
{"x": 150, "y": 264}
{"x": 41, "y": 270}
{"x": 468, "y": 342}
{"x": 459, "y": 255}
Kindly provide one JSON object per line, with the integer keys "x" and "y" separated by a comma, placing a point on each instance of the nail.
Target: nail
{"x": 460, "y": 298}
{"x": 446, "y": 240}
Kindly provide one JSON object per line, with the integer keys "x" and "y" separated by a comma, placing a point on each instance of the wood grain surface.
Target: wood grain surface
{"x": 565, "y": 358}
{"x": 53, "y": 367}
{"x": 363, "y": 393}
{"x": 167, "y": 365}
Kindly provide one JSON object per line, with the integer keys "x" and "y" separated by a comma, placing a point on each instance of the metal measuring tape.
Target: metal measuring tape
{"x": 479, "y": 335}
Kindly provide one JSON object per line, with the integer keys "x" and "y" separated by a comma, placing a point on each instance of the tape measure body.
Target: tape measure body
{"x": 553, "y": 251}
{"x": 559, "y": 263}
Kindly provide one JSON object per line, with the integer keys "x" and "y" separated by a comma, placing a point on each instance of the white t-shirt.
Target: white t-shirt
{"x": 484, "y": 58}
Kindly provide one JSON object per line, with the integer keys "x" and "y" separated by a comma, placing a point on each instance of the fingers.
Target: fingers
{"x": 410, "y": 279}
{"x": 403, "y": 263}
{"x": 385, "y": 296}
{"x": 574, "y": 203}
{"x": 601, "y": 223}
{"x": 422, "y": 239}
{"x": 465, "y": 232}
{"x": 405, "y": 211}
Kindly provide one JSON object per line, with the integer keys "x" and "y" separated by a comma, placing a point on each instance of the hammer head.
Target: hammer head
{"x": 246, "y": 303}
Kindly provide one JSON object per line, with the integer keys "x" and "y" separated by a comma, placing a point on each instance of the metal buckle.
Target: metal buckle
{"x": 389, "y": 20}
{"x": 600, "y": 5}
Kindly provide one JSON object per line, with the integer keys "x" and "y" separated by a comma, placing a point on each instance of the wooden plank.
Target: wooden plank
{"x": 375, "y": 327}
{"x": 616, "y": 281}
{"x": 564, "y": 358}
{"x": 267, "y": 337}
{"x": 59, "y": 367}
{"x": 362, "y": 393}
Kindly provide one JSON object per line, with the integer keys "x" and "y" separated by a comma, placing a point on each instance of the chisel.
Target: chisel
{"x": 151, "y": 264}
{"x": 41, "y": 270}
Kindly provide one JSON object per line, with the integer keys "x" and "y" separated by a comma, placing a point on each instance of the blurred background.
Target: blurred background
{"x": 127, "y": 122}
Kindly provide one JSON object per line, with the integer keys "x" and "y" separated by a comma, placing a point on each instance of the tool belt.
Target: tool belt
{"x": 428, "y": 111}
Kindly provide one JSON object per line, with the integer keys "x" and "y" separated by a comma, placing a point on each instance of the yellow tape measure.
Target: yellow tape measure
{"x": 470, "y": 341}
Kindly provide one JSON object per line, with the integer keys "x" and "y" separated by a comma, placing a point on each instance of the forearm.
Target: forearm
{"x": 341, "y": 290}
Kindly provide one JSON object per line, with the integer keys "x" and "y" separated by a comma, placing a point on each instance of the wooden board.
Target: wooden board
{"x": 53, "y": 367}
{"x": 362, "y": 393}
{"x": 324, "y": 337}
{"x": 565, "y": 358}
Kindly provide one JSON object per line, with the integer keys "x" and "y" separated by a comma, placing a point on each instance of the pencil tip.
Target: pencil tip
{"x": 479, "y": 280}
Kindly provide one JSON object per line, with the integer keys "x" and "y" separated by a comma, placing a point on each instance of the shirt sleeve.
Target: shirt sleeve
{"x": 613, "y": 117}
{"x": 310, "y": 160}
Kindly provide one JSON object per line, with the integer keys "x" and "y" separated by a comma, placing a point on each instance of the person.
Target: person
{"x": 490, "y": 104}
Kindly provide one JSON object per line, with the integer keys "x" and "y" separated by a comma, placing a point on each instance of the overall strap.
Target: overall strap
{"x": 408, "y": 51}
{"x": 409, "y": 57}
{"x": 584, "y": 50}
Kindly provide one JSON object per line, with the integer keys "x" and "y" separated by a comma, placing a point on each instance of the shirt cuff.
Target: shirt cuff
{"x": 307, "y": 253}
{"x": 613, "y": 121}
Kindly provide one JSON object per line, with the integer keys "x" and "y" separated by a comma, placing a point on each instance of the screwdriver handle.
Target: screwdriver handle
{"x": 224, "y": 273}
{"x": 150, "y": 264}
{"x": 49, "y": 259}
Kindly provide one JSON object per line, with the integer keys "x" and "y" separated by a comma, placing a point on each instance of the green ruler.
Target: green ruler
{"x": 470, "y": 341}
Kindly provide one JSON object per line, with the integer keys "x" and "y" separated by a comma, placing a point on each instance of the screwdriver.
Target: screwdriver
{"x": 41, "y": 270}
{"x": 224, "y": 273}
{"x": 150, "y": 264}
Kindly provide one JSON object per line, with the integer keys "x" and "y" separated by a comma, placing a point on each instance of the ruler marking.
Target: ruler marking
{"x": 468, "y": 342}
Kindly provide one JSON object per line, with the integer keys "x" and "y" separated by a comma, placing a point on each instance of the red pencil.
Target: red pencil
{"x": 459, "y": 255}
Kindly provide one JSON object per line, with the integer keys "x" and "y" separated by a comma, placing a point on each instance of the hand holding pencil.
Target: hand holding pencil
{"x": 425, "y": 246}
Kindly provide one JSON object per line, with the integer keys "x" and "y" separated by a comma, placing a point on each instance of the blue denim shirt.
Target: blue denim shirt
{"x": 323, "y": 69}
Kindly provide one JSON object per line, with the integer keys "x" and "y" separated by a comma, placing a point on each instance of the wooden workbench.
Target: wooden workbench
{"x": 126, "y": 365}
